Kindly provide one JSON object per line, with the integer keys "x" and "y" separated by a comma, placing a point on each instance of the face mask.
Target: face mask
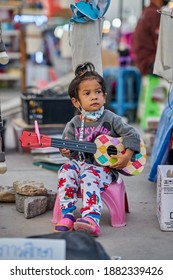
{"x": 94, "y": 116}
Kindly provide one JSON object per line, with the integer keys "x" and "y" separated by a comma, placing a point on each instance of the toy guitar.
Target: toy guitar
{"x": 102, "y": 148}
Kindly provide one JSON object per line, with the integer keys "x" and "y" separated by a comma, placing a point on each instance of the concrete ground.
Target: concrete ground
{"x": 140, "y": 239}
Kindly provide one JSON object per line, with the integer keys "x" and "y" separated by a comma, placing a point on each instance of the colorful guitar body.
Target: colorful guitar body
{"x": 102, "y": 148}
{"x": 102, "y": 155}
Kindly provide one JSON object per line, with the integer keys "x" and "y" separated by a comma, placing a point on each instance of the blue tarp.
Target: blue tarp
{"x": 160, "y": 149}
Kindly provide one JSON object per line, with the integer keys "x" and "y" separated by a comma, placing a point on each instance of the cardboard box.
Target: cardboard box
{"x": 165, "y": 197}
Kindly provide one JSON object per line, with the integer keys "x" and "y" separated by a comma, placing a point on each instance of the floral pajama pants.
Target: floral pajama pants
{"x": 90, "y": 179}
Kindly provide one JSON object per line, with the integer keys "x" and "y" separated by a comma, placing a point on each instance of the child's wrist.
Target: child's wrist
{"x": 129, "y": 153}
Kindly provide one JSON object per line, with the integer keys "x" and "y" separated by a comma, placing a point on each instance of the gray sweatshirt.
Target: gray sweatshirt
{"x": 109, "y": 123}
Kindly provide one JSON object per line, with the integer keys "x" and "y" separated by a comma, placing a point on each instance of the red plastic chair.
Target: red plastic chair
{"x": 114, "y": 197}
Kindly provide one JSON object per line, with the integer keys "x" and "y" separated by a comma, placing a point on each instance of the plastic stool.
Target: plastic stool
{"x": 114, "y": 197}
{"x": 127, "y": 91}
{"x": 152, "y": 99}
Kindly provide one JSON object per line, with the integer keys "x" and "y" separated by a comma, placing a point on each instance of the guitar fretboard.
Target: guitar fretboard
{"x": 87, "y": 147}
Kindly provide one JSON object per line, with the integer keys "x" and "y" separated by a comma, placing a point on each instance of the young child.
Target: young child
{"x": 88, "y": 95}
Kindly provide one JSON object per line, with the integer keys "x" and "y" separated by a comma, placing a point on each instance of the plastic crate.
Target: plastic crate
{"x": 47, "y": 108}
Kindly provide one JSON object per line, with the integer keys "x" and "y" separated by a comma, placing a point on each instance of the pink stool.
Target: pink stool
{"x": 114, "y": 197}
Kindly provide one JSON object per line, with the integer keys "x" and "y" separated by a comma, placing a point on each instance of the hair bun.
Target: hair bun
{"x": 81, "y": 69}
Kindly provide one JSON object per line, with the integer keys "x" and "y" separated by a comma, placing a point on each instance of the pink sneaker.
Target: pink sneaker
{"x": 87, "y": 225}
{"x": 65, "y": 224}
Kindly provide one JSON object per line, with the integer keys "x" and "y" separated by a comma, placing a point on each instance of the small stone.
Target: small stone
{"x": 34, "y": 206}
{"x": 20, "y": 202}
{"x": 15, "y": 184}
{"x": 51, "y": 195}
{"x": 30, "y": 188}
{"x": 7, "y": 194}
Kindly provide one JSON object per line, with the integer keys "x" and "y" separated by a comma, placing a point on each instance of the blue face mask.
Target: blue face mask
{"x": 94, "y": 116}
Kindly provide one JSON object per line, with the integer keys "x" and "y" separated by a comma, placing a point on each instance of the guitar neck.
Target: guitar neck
{"x": 73, "y": 145}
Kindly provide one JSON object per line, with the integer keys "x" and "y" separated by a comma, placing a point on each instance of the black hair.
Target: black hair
{"x": 85, "y": 71}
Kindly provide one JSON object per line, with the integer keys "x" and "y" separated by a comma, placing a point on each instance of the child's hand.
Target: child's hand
{"x": 122, "y": 159}
{"x": 65, "y": 152}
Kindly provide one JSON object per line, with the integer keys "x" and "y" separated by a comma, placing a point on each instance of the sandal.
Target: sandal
{"x": 65, "y": 224}
{"x": 87, "y": 225}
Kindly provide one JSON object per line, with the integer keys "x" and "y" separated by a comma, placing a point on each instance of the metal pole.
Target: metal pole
{"x": 143, "y": 4}
{"x": 121, "y": 9}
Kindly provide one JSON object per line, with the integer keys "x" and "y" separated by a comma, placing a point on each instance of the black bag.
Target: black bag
{"x": 79, "y": 245}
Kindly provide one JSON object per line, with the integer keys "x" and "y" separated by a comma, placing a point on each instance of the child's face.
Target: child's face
{"x": 90, "y": 96}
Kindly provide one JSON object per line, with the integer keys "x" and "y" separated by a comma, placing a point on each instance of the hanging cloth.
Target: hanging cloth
{"x": 86, "y": 44}
{"x": 86, "y": 32}
{"x": 163, "y": 65}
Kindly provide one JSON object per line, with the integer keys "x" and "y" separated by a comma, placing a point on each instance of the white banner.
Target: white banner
{"x": 88, "y": 270}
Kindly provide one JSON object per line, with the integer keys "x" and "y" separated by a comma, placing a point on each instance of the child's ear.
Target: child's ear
{"x": 75, "y": 103}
